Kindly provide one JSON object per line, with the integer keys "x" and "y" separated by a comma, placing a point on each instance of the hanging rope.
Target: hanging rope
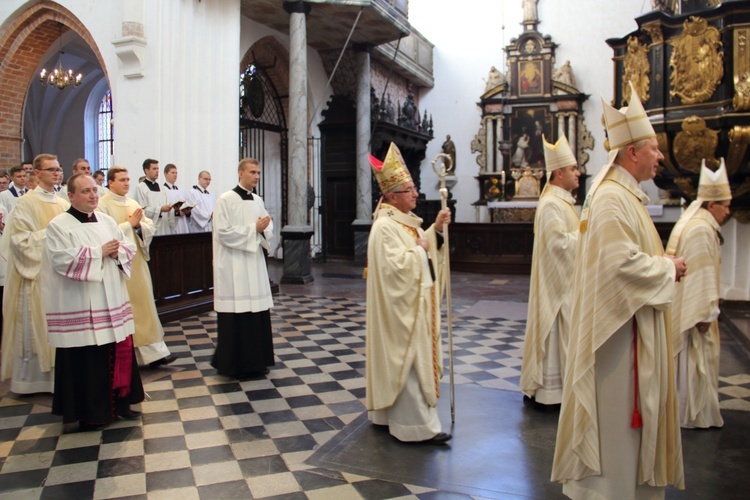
{"x": 336, "y": 66}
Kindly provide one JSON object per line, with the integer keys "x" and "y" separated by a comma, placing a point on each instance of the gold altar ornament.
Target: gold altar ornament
{"x": 741, "y": 100}
{"x": 739, "y": 138}
{"x": 636, "y": 69}
{"x": 696, "y": 62}
{"x": 694, "y": 143}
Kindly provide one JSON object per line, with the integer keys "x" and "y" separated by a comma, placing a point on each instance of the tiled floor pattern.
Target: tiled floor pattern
{"x": 206, "y": 436}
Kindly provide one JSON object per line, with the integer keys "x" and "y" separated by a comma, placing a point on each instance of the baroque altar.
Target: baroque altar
{"x": 532, "y": 99}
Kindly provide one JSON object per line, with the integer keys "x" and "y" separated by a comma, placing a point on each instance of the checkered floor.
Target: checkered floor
{"x": 206, "y": 436}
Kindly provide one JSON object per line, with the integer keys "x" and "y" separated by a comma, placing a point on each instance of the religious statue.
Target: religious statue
{"x": 529, "y": 10}
{"x": 374, "y": 106}
{"x": 450, "y": 149}
{"x": 494, "y": 79}
{"x": 564, "y": 75}
{"x": 386, "y": 110}
{"x": 409, "y": 116}
{"x": 520, "y": 156}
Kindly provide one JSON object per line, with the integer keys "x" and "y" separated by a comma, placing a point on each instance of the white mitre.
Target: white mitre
{"x": 625, "y": 126}
{"x": 558, "y": 155}
{"x": 713, "y": 186}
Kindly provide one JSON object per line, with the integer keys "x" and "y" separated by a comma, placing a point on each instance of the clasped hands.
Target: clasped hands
{"x": 262, "y": 223}
{"x": 111, "y": 248}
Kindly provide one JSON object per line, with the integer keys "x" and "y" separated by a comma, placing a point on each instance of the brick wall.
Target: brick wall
{"x": 22, "y": 46}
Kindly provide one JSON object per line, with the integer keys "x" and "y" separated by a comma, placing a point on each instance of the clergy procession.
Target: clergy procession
{"x": 620, "y": 337}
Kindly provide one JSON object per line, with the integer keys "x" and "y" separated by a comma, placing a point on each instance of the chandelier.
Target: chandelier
{"x": 59, "y": 77}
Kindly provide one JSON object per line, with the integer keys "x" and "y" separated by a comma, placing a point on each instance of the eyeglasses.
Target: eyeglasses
{"x": 55, "y": 170}
{"x": 410, "y": 190}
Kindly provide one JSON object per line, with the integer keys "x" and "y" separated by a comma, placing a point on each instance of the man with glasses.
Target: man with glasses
{"x": 404, "y": 290}
{"x": 27, "y": 358}
{"x": 91, "y": 325}
{"x": 200, "y": 218}
{"x": 695, "y": 311}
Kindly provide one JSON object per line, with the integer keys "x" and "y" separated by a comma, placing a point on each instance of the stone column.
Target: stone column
{"x": 296, "y": 235}
{"x": 500, "y": 161}
{"x": 363, "y": 223}
{"x": 490, "y": 145}
{"x": 573, "y": 133}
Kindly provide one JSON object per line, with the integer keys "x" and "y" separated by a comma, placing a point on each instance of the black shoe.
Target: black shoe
{"x": 439, "y": 439}
{"x": 130, "y": 414}
{"x": 84, "y": 427}
{"x": 163, "y": 361}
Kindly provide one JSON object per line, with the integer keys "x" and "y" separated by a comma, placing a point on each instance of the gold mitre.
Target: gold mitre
{"x": 391, "y": 172}
{"x": 714, "y": 186}
{"x": 558, "y": 155}
{"x": 628, "y": 125}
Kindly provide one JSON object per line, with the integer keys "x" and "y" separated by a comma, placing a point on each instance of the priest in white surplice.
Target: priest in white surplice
{"x": 618, "y": 435}
{"x": 154, "y": 200}
{"x": 695, "y": 312}
{"x": 86, "y": 261}
{"x": 200, "y": 217}
{"x": 148, "y": 338}
{"x": 242, "y": 293}
{"x": 175, "y": 195}
{"x": 27, "y": 357}
{"x": 551, "y": 285}
{"x": 405, "y": 282}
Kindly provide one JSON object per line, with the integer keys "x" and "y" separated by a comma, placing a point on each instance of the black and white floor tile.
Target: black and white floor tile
{"x": 206, "y": 436}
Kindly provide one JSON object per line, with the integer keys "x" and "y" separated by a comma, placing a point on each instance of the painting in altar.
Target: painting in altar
{"x": 530, "y": 78}
{"x": 527, "y": 127}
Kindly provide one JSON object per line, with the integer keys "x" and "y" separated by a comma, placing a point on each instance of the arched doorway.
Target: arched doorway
{"x": 44, "y": 119}
{"x": 263, "y": 130}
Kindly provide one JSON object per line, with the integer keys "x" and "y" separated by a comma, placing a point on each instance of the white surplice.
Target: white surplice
{"x": 94, "y": 308}
{"x": 205, "y": 202}
{"x": 240, "y": 275}
{"x": 174, "y": 194}
{"x": 151, "y": 202}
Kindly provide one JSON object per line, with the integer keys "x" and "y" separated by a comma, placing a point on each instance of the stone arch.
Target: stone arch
{"x": 273, "y": 57}
{"x": 24, "y": 40}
